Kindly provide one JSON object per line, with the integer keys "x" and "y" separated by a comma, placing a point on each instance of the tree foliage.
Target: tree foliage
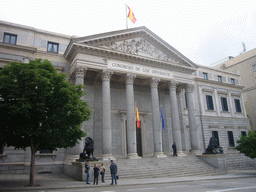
{"x": 39, "y": 107}
{"x": 247, "y": 144}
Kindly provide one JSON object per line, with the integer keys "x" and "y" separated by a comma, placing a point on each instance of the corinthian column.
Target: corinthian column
{"x": 106, "y": 116}
{"x": 175, "y": 116}
{"x": 131, "y": 127}
{"x": 79, "y": 73}
{"x": 157, "y": 128}
{"x": 192, "y": 119}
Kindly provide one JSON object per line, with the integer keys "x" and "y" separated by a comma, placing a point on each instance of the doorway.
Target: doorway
{"x": 139, "y": 141}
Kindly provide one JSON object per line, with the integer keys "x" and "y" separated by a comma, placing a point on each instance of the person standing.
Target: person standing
{"x": 113, "y": 172}
{"x": 87, "y": 170}
{"x": 96, "y": 174}
{"x": 174, "y": 149}
{"x": 102, "y": 172}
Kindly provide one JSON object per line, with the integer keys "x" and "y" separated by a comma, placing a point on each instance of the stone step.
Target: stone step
{"x": 165, "y": 167}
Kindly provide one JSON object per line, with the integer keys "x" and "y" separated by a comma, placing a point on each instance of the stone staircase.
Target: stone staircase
{"x": 163, "y": 167}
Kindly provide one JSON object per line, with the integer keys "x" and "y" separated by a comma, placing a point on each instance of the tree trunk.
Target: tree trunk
{"x": 32, "y": 166}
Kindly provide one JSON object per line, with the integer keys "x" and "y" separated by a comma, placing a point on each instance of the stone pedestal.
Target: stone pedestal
{"x": 77, "y": 170}
{"x": 216, "y": 160}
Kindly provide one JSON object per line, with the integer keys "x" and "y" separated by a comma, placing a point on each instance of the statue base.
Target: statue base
{"x": 77, "y": 170}
{"x": 216, "y": 160}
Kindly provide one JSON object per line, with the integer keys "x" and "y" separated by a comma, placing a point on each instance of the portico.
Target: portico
{"x": 132, "y": 68}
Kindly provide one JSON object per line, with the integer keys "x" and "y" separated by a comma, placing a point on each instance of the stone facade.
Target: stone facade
{"x": 122, "y": 68}
{"x": 245, "y": 65}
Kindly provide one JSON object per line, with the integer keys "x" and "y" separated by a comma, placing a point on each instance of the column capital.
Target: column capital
{"x": 154, "y": 82}
{"x": 130, "y": 77}
{"x": 106, "y": 74}
{"x": 190, "y": 88}
{"x": 80, "y": 70}
{"x": 172, "y": 85}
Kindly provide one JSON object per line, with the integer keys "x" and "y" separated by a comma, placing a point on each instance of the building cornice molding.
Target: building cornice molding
{"x": 249, "y": 89}
{"x": 18, "y": 47}
{"x": 218, "y": 83}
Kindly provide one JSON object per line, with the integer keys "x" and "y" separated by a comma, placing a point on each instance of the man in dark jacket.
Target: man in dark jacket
{"x": 174, "y": 149}
{"x": 87, "y": 170}
{"x": 113, "y": 171}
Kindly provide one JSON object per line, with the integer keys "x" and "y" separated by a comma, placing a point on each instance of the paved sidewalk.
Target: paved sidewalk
{"x": 19, "y": 182}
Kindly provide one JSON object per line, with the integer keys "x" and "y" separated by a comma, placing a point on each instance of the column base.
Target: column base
{"x": 196, "y": 152}
{"x": 181, "y": 153}
{"x": 160, "y": 155}
{"x": 133, "y": 156}
{"x": 107, "y": 157}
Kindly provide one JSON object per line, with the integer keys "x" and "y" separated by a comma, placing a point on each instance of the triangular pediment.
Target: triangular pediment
{"x": 136, "y": 42}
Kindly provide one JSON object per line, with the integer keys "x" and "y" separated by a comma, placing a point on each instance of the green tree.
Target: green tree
{"x": 247, "y": 144}
{"x": 39, "y": 108}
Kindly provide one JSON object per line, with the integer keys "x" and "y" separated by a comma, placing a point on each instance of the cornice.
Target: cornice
{"x": 106, "y": 52}
{"x": 249, "y": 89}
{"x": 18, "y": 47}
{"x": 218, "y": 83}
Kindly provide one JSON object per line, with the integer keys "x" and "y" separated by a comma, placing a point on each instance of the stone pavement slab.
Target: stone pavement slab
{"x": 19, "y": 182}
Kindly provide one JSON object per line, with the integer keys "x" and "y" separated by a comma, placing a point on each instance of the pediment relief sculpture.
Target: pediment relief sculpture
{"x": 140, "y": 47}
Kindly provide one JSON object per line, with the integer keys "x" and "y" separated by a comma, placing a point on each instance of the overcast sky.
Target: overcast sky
{"x": 205, "y": 31}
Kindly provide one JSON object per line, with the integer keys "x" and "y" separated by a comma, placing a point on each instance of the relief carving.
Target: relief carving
{"x": 138, "y": 47}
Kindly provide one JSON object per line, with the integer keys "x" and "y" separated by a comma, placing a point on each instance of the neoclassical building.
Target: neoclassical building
{"x": 128, "y": 67}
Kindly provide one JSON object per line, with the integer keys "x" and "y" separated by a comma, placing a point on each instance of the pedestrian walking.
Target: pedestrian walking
{"x": 96, "y": 174}
{"x": 113, "y": 172}
{"x": 102, "y": 172}
{"x": 174, "y": 149}
{"x": 87, "y": 170}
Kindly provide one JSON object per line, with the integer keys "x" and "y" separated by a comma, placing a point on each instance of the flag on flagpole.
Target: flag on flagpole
{"x": 137, "y": 117}
{"x": 162, "y": 116}
{"x": 131, "y": 15}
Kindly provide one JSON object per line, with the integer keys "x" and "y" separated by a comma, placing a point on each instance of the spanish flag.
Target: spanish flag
{"x": 137, "y": 117}
{"x": 131, "y": 15}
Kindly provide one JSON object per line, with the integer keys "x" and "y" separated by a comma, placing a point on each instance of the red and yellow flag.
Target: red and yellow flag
{"x": 137, "y": 117}
{"x": 131, "y": 15}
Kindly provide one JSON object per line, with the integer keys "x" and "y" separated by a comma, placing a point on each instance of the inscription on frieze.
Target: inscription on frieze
{"x": 139, "y": 69}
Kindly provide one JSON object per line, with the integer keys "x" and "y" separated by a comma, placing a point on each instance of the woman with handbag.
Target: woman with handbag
{"x": 102, "y": 172}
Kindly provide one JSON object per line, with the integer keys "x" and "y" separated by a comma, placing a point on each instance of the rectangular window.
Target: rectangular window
{"x": 243, "y": 133}
{"x": 224, "y": 104}
{"x": 216, "y": 135}
{"x": 52, "y": 47}
{"x": 219, "y": 78}
{"x": 209, "y": 102}
{"x": 10, "y": 38}
{"x": 232, "y": 81}
{"x": 231, "y": 139}
{"x": 238, "y": 105}
{"x": 205, "y": 75}
{"x": 186, "y": 102}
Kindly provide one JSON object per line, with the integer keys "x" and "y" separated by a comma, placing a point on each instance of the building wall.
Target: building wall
{"x": 32, "y": 43}
{"x": 244, "y": 65}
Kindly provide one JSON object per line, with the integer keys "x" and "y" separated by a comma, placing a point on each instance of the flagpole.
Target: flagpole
{"x": 126, "y": 16}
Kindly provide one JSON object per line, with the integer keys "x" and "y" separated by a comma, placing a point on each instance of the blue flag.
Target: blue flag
{"x": 162, "y": 116}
